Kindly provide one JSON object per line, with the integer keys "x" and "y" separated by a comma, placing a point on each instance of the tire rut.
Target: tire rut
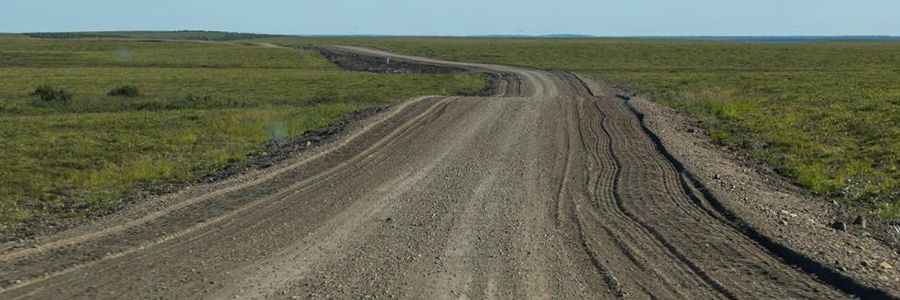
{"x": 707, "y": 202}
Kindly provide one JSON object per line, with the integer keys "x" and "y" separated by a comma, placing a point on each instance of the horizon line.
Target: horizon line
{"x": 564, "y": 34}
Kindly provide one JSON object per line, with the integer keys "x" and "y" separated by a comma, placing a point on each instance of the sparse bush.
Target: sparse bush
{"x": 124, "y": 91}
{"x": 50, "y": 94}
{"x": 195, "y": 99}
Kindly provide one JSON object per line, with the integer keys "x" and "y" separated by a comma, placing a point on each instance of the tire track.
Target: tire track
{"x": 790, "y": 256}
{"x": 604, "y": 192}
{"x": 618, "y": 200}
{"x": 704, "y": 201}
{"x": 610, "y": 244}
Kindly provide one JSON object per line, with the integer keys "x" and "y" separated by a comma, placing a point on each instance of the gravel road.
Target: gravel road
{"x": 546, "y": 190}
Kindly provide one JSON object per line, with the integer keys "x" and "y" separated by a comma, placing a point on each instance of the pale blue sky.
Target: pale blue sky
{"x": 462, "y": 17}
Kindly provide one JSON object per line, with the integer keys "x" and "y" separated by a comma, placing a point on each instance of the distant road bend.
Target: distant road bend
{"x": 550, "y": 189}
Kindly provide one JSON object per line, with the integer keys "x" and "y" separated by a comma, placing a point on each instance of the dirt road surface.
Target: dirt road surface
{"x": 546, "y": 190}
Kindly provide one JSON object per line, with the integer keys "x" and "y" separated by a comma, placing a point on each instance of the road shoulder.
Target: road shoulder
{"x": 771, "y": 205}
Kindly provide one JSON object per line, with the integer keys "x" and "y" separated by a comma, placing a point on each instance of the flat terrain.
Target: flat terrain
{"x": 194, "y": 35}
{"x": 821, "y": 113}
{"x": 201, "y": 107}
{"x": 552, "y": 188}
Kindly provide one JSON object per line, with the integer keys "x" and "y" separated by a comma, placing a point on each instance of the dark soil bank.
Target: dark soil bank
{"x": 354, "y": 62}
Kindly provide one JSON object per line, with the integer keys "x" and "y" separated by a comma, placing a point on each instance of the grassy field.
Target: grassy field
{"x": 195, "y": 35}
{"x": 823, "y": 114}
{"x": 200, "y": 107}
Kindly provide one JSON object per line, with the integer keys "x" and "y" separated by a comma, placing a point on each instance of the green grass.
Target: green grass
{"x": 28, "y": 52}
{"x": 202, "y": 106}
{"x": 167, "y": 88}
{"x": 823, "y": 114}
{"x": 87, "y": 161}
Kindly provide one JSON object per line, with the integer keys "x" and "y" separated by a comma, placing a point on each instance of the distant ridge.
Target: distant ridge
{"x": 555, "y": 35}
{"x": 568, "y": 35}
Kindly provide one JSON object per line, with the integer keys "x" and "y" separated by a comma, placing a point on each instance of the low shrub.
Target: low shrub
{"x": 191, "y": 98}
{"x": 50, "y": 94}
{"x": 124, "y": 91}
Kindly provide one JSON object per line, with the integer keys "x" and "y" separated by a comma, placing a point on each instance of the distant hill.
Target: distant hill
{"x": 161, "y": 35}
{"x": 568, "y": 36}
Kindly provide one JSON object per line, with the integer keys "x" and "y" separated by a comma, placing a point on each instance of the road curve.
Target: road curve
{"x": 544, "y": 191}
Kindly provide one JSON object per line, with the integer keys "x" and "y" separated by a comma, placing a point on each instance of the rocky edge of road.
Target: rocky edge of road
{"x": 771, "y": 204}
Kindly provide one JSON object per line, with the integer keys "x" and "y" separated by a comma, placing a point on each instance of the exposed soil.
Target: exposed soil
{"x": 277, "y": 151}
{"x": 353, "y": 61}
{"x": 564, "y": 188}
